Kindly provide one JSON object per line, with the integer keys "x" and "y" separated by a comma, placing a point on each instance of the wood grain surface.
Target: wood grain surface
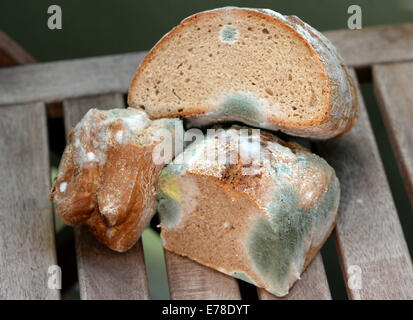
{"x": 368, "y": 233}
{"x": 103, "y": 273}
{"x": 372, "y": 45}
{"x": 56, "y": 81}
{"x": 11, "y": 53}
{"x": 189, "y": 280}
{"x": 313, "y": 285}
{"x": 27, "y": 239}
{"x": 393, "y": 88}
{"x": 52, "y": 81}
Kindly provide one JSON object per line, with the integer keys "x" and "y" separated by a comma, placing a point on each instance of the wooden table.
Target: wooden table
{"x": 368, "y": 233}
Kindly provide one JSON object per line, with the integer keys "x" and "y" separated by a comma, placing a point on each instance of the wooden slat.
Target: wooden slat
{"x": 189, "y": 280}
{"x": 27, "y": 241}
{"x": 313, "y": 285}
{"x": 54, "y": 81}
{"x": 108, "y": 275}
{"x": 359, "y": 48}
{"x": 70, "y": 79}
{"x": 368, "y": 232}
{"x": 393, "y": 87}
{"x": 75, "y": 109}
{"x": 103, "y": 273}
{"x": 11, "y": 53}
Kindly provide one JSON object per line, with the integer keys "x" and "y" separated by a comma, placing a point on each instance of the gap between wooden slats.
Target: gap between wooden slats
{"x": 313, "y": 285}
{"x": 189, "y": 280}
{"x": 103, "y": 273}
{"x": 393, "y": 88}
{"x": 368, "y": 234}
{"x": 27, "y": 239}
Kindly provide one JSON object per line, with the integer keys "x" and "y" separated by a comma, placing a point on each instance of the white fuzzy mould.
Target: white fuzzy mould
{"x": 62, "y": 187}
{"x": 203, "y": 157}
{"x": 249, "y": 151}
{"x": 211, "y": 155}
{"x": 91, "y": 134}
{"x": 91, "y": 156}
{"x": 309, "y": 195}
{"x": 119, "y": 137}
{"x": 283, "y": 154}
{"x": 110, "y": 232}
{"x": 136, "y": 122}
{"x": 111, "y": 205}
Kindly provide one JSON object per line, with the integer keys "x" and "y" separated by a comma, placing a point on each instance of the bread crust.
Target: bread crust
{"x": 107, "y": 180}
{"x": 340, "y": 113}
{"x": 243, "y": 200}
{"x": 343, "y": 111}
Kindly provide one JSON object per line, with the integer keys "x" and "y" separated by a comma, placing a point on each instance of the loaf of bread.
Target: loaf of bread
{"x": 107, "y": 177}
{"x": 250, "y": 65}
{"x": 260, "y": 220}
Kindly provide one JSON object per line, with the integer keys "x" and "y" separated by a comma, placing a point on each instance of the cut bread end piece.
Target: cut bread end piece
{"x": 254, "y": 66}
{"x": 107, "y": 177}
{"x": 262, "y": 222}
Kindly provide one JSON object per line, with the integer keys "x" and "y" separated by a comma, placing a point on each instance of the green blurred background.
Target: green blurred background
{"x": 99, "y": 27}
{"x": 93, "y": 28}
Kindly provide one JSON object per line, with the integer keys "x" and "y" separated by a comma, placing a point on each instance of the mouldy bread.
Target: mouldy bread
{"x": 107, "y": 178}
{"x": 259, "y": 223}
{"x": 250, "y": 65}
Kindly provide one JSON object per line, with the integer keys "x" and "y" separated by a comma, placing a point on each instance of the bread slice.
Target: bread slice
{"x": 107, "y": 178}
{"x": 259, "y": 221}
{"x": 250, "y": 65}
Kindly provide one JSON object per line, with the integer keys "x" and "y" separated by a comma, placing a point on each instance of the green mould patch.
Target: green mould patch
{"x": 242, "y": 276}
{"x": 173, "y": 169}
{"x": 330, "y": 199}
{"x": 241, "y": 105}
{"x": 274, "y": 242}
{"x": 169, "y": 211}
{"x": 170, "y": 194}
{"x": 228, "y": 34}
{"x": 282, "y": 169}
{"x": 310, "y": 160}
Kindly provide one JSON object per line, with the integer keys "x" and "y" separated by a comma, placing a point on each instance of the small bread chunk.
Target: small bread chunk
{"x": 107, "y": 178}
{"x": 259, "y": 221}
{"x": 250, "y": 65}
